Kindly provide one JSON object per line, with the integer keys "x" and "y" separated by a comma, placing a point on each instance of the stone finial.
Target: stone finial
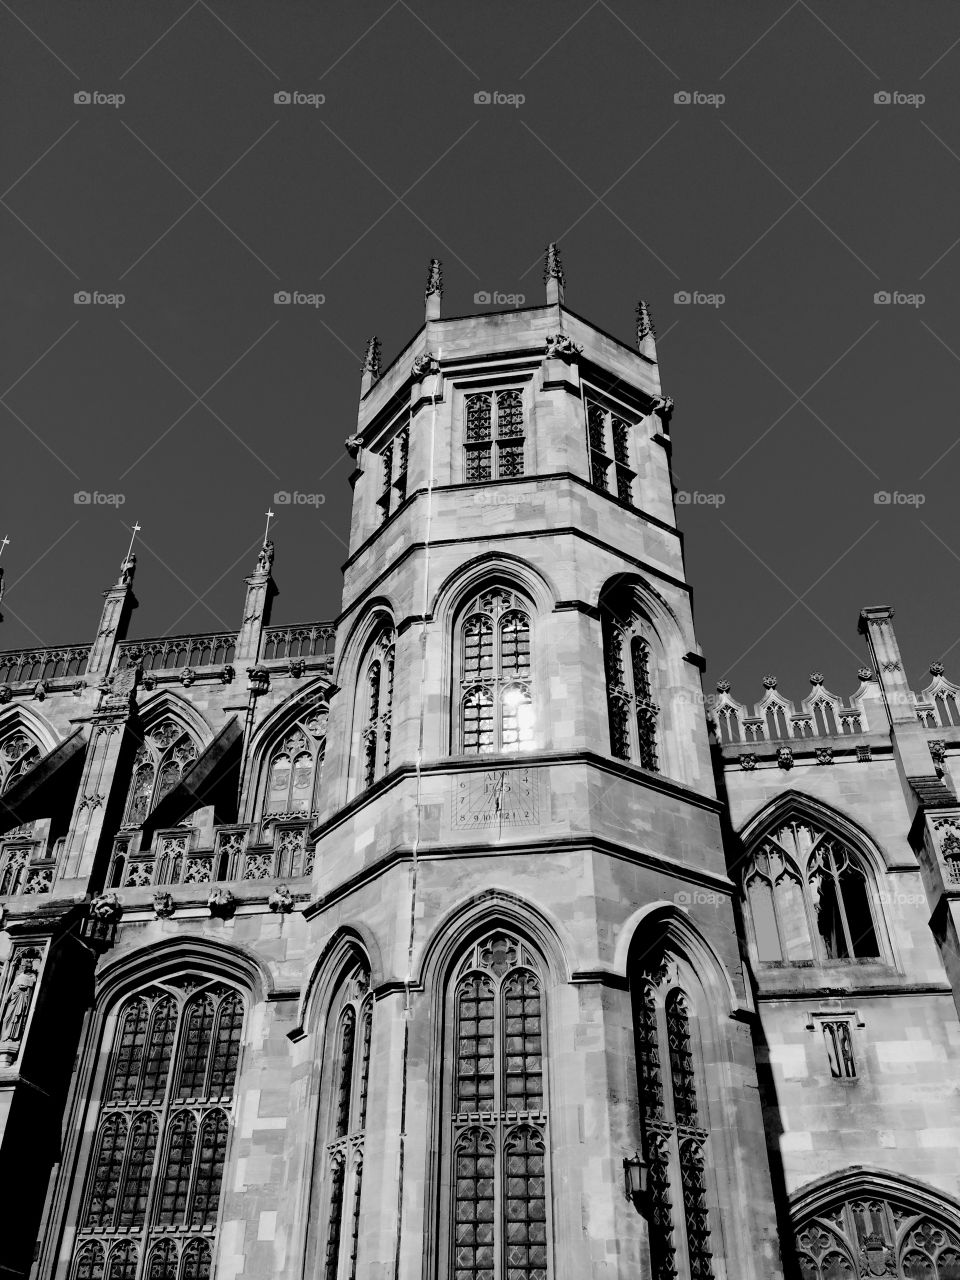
{"x": 816, "y": 677}
{"x": 553, "y": 275}
{"x": 936, "y": 668}
{"x": 370, "y": 370}
{"x": 769, "y": 682}
{"x": 865, "y": 673}
{"x": 433, "y": 293}
{"x": 646, "y": 334}
{"x": 723, "y": 686}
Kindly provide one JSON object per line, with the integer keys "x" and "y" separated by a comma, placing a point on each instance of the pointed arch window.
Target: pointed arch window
{"x": 497, "y": 1221}
{"x": 18, "y": 754}
{"x": 493, "y": 435}
{"x": 876, "y": 1235}
{"x": 292, "y": 768}
{"x": 674, "y": 1127}
{"x": 344, "y": 1087}
{"x": 630, "y": 676}
{"x": 496, "y": 676}
{"x": 156, "y": 1169}
{"x": 810, "y": 897}
{"x": 168, "y": 750}
{"x": 375, "y": 706}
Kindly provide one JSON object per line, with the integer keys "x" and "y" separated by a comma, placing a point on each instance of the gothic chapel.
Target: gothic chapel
{"x": 460, "y": 937}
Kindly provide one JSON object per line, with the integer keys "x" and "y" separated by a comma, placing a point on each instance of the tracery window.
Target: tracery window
{"x": 496, "y": 678}
{"x": 866, "y": 1235}
{"x": 608, "y": 445}
{"x": 393, "y": 478}
{"x": 629, "y": 668}
{"x": 498, "y": 1219}
{"x": 167, "y": 752}
{"x": 18, "y": 754}
{"x": 674, "y": 1125}
{"x": 346, "y": 1062}
{"x": 293, "y": 767}
{"x": 493, "y": 435}
{"x": 375, "y": 706}
{"x": 152, "y": 1190}
{"x": 809, "y": 896}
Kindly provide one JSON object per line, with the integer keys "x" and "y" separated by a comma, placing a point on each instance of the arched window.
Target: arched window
{"x": 497, "y": 1219}
{"x": 166, "y": 754}
{"x": 628, "y": 652}
{"x": 343, "y": 1118}
{"x": 152, "y": 1185}
{"x": 375, "y": 706}
{"x": 493, "y": 435}
{"x": 18, "y": 753}
{"x": 292, "y": 768}
{"x": 674, "y": 1125}
{"x": 809, "y": 896}
{"x": 496, "y": 677}
{"x": 876, "y": 1235}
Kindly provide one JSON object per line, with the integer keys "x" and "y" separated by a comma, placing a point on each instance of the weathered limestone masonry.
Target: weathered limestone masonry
{"x": 460, "y": 938}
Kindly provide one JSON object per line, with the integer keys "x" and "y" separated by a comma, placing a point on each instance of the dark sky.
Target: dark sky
{"x": 798, "y": 198}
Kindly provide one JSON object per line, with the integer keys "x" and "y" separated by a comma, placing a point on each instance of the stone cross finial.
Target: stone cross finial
{"x": 553, "y": 274}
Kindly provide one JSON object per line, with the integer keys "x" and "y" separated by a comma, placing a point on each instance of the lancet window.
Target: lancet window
{"x": 608, "y": 446}
{"x": 293, "y": 766}
{"x": 629, "y": 665}
{"x": 498, "y": 1218}
{"x": 375, "y": 706}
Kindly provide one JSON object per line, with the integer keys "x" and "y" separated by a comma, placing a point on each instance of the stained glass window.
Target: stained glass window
{"x": 156, "y": 1169}
{"x": 675, "y": 1143}
{"x": 628, "y": 661}
{"x": 344, "y": 1088}
{"x": 498, "y": 1226}
{"x": 164, "y": 757}
{"x": 496, "y": 697}
{"x": 292, "y": 770}
{"x": 809, "y": 896}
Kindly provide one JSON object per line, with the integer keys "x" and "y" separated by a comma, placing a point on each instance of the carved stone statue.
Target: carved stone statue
{"x": 265, "y": 558}
{"x": 106, "y": 907}
{"x": 19, "y": 997}
{"x": 281, "y": 900}
{"x": 127, "y": 569}
{"x": 425, "y": 364}
{"x": 221, "y": 903}
{"x": 353, "y": 445}
{"x": 163, "y": 905}
{"x": 560, "y": 346}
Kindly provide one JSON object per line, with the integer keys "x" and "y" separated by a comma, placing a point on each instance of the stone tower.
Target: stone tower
{"x": 521, "y": 826}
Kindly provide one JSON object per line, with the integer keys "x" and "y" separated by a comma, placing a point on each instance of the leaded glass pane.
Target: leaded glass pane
{"x": 175, "y": 1180}
{"x": 478, "y": 418}
{"x": 478, "y": 722}
{"x": 473, "y": 1226}
{"x": 695, "y": 1209}
{"x": 163, "y": 1026}
{"x": 90, "y": 1262}
{"x": 141, "y": 1151}
{"x": 509, "y": 414}
{"x": 474, "y": 1045}
{"x": 478, "y": 463}
{"x": 478, "y": 648}
{"x": 681, "y": 1060}
{"x": 212, "y": 1150}
{"x": 162, "y": 1264}
{"x": 522, "y": 1045}
{"x": 366, "y": 1020}
{"x": 128, "y": 1055}
{"x": 345, "y": 1071}
{"x": 596, "y": 428}
{"x": 107, "y": 1165}
{"x": 123, "y": 1261}
{"x": 621, "y": 441}
{"x": 516, "y": 718}
{"x": 648, "y": 1054}
{"x": 525, "y": 1206}
{"x": 196, "y": 1048}
{"x": 279, "y": 783}
{"x": 355, "y": 1222}
{"x": 515, "y": 645}
{"x": 196, "y": 1261}
{"x": 226, "y": 1051}
{"x": 332, "y": 1249}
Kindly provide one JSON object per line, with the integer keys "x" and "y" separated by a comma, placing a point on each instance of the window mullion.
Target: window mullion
{"x": 842, "y": 908}
{"x": 162, "y": 1112}
{"x": 499, "y": 1214}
